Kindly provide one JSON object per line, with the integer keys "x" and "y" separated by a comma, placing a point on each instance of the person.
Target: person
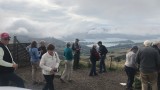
{"x": 148, "y": 60}
{"x": 7, "y": 64}
{"x": 34, "y": 59}
{"x": 94, "y": 56}
{"x": 42, "y": 49}
{"x": 49, "y": 64}
{"x": 76, "y": 48}
{"x": 103, "y": 51}
{"x": 130, "y": 66}
{"x": 68, "y": 63}
{"x": 156, "y": 46}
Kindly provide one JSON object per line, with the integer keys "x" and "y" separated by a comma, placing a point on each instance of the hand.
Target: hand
{"x": 15, "y": 66}
{"x": 55, "y": 69}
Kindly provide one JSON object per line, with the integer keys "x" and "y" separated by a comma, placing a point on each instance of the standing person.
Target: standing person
{"x": 94, "y": 56}
{"x": 130, "y": 66}
{"x": 148, "y": 60}
{"x": 156, "y": 45}
{"x": 103, "y": 51}
{"x": 68, "y": 63}
{"x": 76, "y": 48}
{"x": 49, "y": 64}
{"x": 34, "y": 58}
{"x": 7, "y": 65}
{"x": 42, "y": 49}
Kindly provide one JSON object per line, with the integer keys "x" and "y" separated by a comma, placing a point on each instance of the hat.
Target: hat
{"x": 134, "y": 48}
{"x": 4, "y": 35}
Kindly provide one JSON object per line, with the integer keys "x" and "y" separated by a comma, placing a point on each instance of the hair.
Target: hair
{"x": 155, "y": 43}
{"x": 50, "y": 47}
{"x": 33, "y": 44}
{"x": 147, "y": 43}
{"x": 42, "y": 42}
{"x": 94, "y": 45}
{"x": 99, "y": 42}
{"x": 68, "y": 44}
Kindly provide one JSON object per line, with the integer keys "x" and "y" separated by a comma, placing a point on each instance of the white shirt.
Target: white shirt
{"x": 48, "y": 62}
{"x": 130, "y": 59}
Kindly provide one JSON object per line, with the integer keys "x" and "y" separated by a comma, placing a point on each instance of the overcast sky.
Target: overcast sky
{"x": 57, "y": 18}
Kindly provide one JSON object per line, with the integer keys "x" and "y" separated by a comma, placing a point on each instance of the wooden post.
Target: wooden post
{"x": 111, "y": 61}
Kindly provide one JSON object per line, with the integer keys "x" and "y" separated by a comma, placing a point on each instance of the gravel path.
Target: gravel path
{"x": 81, "y": 80}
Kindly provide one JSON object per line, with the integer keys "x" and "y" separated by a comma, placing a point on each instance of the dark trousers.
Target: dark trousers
{"x": 7, "y": 77}
{"x": 49, "y": 82}
{"x": 102, "y": 64}
{"x": 158, "y": 81}
{"x": 76, "y": 61}
{"x": 130, "y": 73}
{"x": 93, "y": 68}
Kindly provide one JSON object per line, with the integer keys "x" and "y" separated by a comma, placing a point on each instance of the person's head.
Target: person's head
{"x": 147, "y": 43}
{"x": 68, "y": 44}
{"x": 134, "y": 49}
{"x": 94, "y": 46}
{"x": 155, "y": 43}
{"x": 5, "y": 38}
{"x": 99, "y": 43}
{"x": 42, "y": 43}
{"x": 33, "y": 44}
{"x": 50, "y": 49}
{"x": 77, "y": 40}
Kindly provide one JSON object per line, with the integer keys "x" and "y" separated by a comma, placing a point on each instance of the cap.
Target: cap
{"x": 4, "y": 35}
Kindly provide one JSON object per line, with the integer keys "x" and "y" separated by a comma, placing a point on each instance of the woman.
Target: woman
{"x": 42, "y": 49}
{"x": 68, "y": 63}
{"x": 94, "y": 56}
{"x": 130, "y": 66}
{"x": 34, "y": 58}
{"x": 49, "y": 64}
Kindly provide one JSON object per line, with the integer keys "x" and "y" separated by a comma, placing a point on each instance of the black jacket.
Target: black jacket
{"x": 103, "y": 50}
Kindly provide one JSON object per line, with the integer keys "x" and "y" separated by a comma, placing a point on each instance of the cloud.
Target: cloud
{"x": 58, "y": 18}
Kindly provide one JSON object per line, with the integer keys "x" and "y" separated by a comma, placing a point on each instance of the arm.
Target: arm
{"x": 2, "y": 62}
{"x": 42, "y": 64}
{"x": 57, "y": 60}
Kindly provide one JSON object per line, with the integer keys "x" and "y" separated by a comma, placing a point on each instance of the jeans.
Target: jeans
{"x": 93, "y": 68}
{"x": 149, "y": 77}
{"x": 5, "y": 78}
{"x": 102, "y": 64}
{"x": 130, "y": 73}
{"x": 76, "y": 61}
{"x": 49, "y": 82}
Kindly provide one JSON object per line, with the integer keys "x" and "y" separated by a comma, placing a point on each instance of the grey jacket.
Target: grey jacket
{"x": 148, "y": 59}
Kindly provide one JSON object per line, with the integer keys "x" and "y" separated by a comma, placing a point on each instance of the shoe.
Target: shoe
{"x": 104, "y": 71}
{"x": 62, "y": 80}
{"x": 70, "y": 81}
{"x": 34, "y": 82}
{"x": 96, "y": 74}
{"x": 100, "y": 71}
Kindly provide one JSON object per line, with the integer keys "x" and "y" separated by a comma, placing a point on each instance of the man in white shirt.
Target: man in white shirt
{"x": 7, "y": 65}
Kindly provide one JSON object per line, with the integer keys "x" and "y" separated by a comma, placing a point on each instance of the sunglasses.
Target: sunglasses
{"x": 6, "y": 39}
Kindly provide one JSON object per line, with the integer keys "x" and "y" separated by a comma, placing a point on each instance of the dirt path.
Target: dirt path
{"x": 81, "y": 81}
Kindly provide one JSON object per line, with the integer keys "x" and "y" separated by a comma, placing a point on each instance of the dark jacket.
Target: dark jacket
{"x": 94, "y": 55}
{"x": 103, "y": 50}
{"x": 43, "y": 50}
{"x": 148, "y": 59}
{"x": 7, "y": 58}
{"x": 76, "y": 48}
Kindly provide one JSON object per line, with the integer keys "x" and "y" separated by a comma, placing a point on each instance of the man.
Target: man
{"x": 76, "y": 49}
{"x": 7, "y": 65}
{"x": 148, "y": 60}
{"x": 156, "y": 46}
{"x": 103, "y": 51}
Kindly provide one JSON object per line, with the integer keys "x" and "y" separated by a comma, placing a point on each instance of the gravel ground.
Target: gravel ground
{"x": 81, "y": 80}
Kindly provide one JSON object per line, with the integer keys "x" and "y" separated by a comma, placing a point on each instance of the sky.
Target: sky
{"x": 59, "y": 18}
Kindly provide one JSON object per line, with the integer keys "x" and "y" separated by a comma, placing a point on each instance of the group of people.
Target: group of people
{"x": 146, "y": 60}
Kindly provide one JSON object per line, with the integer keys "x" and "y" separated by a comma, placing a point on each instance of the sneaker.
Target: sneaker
{"x": 62, "y": 80}
{"x": 34, "y": 82}
{"x": 70, "y": 81}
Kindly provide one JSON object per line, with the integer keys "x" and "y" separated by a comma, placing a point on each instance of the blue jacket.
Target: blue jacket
{"x": 68, "y": 54}
{"x": 34, "y": 54}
